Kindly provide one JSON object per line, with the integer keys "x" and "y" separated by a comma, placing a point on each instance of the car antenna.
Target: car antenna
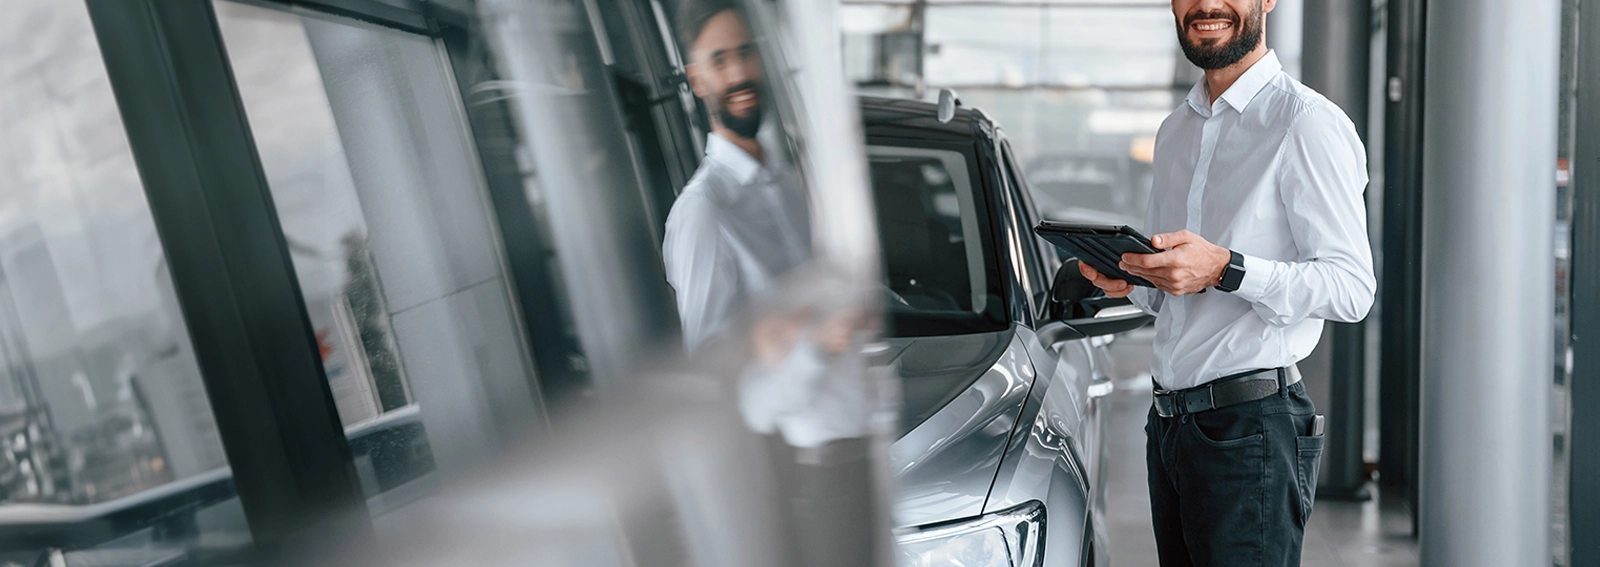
{"x": 948, "y": 101}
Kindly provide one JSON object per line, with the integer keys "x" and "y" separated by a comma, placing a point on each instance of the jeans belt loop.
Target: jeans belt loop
{"x": 1283, "y": 383}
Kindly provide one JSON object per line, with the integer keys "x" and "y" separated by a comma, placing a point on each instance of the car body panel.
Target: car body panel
{"x": 945, "y": 467}
{"x": 1056, "y": 454}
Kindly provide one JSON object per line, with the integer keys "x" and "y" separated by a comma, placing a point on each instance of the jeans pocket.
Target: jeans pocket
{"x": 1309, "y": 449}
{"x": 1227, "y": 428}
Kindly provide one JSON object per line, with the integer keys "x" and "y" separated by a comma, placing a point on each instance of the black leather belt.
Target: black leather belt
{"x": 1225, "y": 391}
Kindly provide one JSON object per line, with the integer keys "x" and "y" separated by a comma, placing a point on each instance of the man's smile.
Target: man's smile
{"x": 1211, "y": 28}
{"x": 741, "y": 102}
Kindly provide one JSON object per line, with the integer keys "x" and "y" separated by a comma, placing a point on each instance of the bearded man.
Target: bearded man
{"x": 1258, "y": 194}
{"x": 742, "y": 219}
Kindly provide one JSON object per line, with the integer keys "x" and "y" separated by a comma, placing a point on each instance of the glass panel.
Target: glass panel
{"x": 1109, "y": 47}
{"x": 102, "y": 405}
{"x": 381, "y": 199}
{"x": 751, "y": 451}
{"x": 1086, "y": 153}
{"x": 933, "y": 245}
{"x": 1029, "y": 46}
{"x": 881, "y": 44}
{"x": 981, "y": 45}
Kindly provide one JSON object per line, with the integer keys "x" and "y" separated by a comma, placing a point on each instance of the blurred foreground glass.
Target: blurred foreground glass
{"x": 109, "y": 453}
{"x": 381, "y": 199}
{"x": 766, "y": 446}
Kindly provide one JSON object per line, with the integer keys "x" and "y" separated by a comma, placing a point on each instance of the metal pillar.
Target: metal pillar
{"x": 1400, "y": 283}
{"x": 1583, "y": 493}
{"x": 1488, "y": 282}
{"x": 1335, "y": 60}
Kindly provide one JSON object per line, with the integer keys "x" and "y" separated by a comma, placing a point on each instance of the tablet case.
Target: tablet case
{"x": 1101, "y": 246}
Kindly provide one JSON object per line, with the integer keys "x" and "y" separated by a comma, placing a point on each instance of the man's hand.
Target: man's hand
{"x": 1112, "y": 287}
{"x": 1188, "y": 264}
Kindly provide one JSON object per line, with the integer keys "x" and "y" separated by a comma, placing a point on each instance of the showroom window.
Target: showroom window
{"x": 380, "y": 198}
{"x": 103, "y": 412}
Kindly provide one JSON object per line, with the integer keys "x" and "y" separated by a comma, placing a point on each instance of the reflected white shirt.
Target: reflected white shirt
{"x": 1274, "y": 171}
{"x": 737, "y": 225}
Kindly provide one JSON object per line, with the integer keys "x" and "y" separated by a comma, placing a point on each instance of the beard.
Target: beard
{"x": 1211, "y": 57}
{"x": 744, "y": 126}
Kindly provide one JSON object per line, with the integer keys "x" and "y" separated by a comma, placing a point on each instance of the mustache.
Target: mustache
{"x": 745, "y": 86}
{"x": 1192, "y": 17}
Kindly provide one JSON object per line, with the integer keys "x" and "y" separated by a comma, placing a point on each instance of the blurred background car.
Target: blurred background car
{"x": 1098, "y": 188}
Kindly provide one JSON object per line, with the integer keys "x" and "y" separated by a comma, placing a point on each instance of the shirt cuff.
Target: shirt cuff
{"x": 1256, "y": 274}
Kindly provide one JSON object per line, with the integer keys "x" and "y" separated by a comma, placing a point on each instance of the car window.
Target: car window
{"x": 939, "y": 268}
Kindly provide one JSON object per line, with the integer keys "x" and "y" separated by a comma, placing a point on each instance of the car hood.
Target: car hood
{"x": 961, "y": 397}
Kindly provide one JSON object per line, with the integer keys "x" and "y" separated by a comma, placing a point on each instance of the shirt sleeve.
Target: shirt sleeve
{"x": 1322, "y": 175}
{"x": 700, "y": 266}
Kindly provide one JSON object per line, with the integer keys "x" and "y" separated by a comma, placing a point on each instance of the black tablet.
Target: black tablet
{"x": 1101, "y": 246}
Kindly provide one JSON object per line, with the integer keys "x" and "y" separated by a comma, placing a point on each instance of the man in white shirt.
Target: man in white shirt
{"x": 1257, "y": 193}
{"x": 743, "y": 218}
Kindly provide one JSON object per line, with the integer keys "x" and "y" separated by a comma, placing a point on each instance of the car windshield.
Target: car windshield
{"x": 939, "y": 268}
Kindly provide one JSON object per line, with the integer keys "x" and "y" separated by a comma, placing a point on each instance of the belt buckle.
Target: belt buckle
{"x": 1170, "y": 406}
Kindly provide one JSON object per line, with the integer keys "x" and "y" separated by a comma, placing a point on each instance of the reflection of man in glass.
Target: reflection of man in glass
{"x": 742, "y": 219}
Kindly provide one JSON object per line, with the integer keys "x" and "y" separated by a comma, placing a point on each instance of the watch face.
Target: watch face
{"x": 1233, "y": 275}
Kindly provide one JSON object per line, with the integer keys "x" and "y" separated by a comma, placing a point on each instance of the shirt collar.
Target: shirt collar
{"x": 1243, "y": 90}
{"x": 741, "y": 163}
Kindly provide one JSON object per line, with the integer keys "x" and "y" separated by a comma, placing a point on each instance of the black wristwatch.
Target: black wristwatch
{"x": 1233, "y": 275}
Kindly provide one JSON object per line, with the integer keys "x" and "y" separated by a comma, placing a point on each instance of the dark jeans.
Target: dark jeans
{"x": 1233, "y": 486}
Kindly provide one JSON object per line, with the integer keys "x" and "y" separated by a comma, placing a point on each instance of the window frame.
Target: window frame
{"x": 291, "y": 463}
{"x": 1046, "y": 263}
{"x": 231, "y": 269}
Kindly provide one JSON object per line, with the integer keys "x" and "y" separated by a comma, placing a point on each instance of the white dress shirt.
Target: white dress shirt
{"x": 1274, "y": 171}
{"x": 737, "y": 225}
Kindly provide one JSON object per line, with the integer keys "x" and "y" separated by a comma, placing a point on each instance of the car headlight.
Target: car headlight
{"x": 1009, "y": 538}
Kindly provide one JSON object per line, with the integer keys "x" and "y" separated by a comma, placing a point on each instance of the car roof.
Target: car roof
{"x": 902, "y": 118}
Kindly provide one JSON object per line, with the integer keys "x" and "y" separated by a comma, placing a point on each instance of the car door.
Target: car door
{"x": 1073, "y": 364}
{"x": 1052, "y": 453}
{"x": 1090, "y": 355}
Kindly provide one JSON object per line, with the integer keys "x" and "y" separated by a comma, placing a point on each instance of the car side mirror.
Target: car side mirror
{"x": 1068, "y": 291}
{"x": 1076, "y": 309}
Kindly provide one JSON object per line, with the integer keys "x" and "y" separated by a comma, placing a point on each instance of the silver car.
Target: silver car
{"x": 1000, "y": 347}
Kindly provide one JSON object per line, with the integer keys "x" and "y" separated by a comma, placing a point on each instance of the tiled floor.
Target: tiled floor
{"x": 1343, "y": 534}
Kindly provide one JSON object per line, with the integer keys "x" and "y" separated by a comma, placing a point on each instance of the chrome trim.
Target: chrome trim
{"x": 1118, "y": 311}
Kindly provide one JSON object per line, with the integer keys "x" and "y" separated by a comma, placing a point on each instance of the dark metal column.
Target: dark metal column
{"x": 1488, "y": 262}
{"x": 1335, "y": 60}
{"x": 1583, "y": 494}
{"x": 1400, "y": 286}
{"x": 231, "y": 268}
